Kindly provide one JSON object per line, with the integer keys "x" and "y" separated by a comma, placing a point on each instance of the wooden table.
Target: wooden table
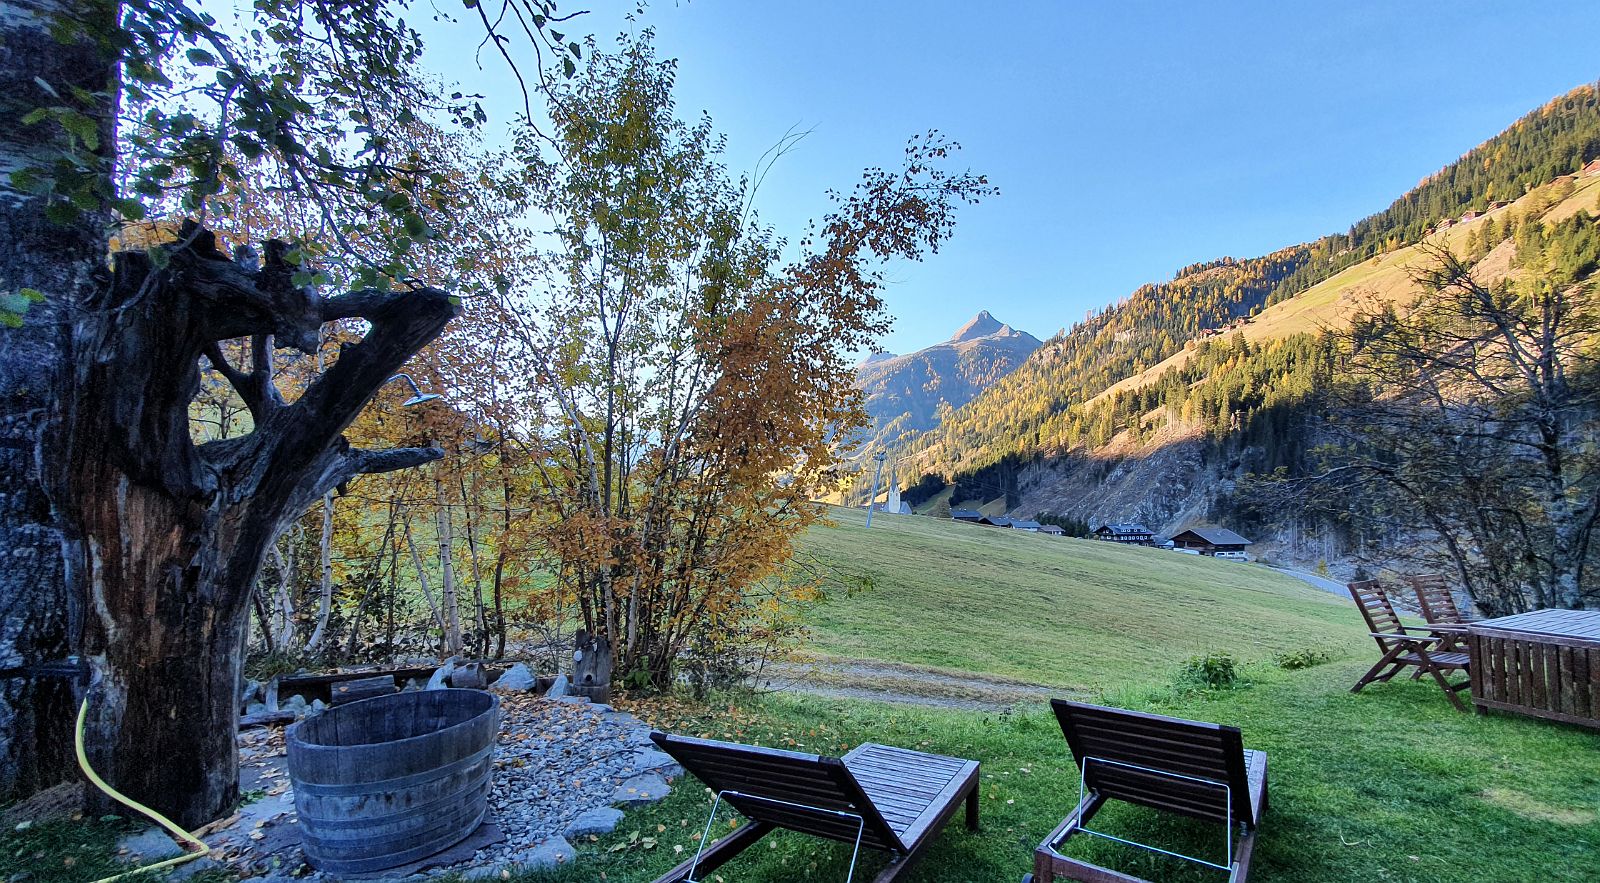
{"x": 1544, "y": 663}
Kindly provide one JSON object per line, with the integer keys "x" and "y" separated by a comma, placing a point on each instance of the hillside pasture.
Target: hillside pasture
{"x": 1082, "y": 615}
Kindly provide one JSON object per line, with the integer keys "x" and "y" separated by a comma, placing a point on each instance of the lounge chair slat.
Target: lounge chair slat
{"x": 903, "y": 797}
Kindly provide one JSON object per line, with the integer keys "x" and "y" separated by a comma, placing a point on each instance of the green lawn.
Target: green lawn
{"x": 1078, "y": 614}
{"x": 1392, "y": 784}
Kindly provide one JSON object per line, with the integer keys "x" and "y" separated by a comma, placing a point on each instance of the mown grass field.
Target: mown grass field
{"x": 1078, "y": 614}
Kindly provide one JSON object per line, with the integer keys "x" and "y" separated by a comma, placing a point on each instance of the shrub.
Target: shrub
{"x": 1309, "y": 657}
{"x": 1215, "y": 671}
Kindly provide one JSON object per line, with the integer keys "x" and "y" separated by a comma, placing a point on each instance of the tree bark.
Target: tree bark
{"x": 39, "y": 607}
{"x": 422, "y": 579}
{"x": 447, "y": 570}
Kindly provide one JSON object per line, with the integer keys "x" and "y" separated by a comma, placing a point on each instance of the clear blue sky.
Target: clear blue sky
{"x": 1127, "y": 139}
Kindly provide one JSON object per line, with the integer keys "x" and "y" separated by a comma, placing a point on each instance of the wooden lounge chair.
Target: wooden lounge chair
{"x": 888, "y": 799}
{"x": 1404, "y": 646}
{"x": 1195, "y": 769}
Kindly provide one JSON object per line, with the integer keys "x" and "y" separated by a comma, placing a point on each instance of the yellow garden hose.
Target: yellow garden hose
{"x": 182, "y": 835}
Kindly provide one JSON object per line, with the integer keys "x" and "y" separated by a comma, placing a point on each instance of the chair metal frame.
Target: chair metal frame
{"x": 705, "y": 837}
{"x": 1076, "y": 826}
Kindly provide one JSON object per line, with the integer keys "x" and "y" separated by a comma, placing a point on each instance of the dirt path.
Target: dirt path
{"x": 905, "y": 684}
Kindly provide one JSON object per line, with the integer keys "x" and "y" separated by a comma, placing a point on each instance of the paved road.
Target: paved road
{"x": 1323, "y": 583}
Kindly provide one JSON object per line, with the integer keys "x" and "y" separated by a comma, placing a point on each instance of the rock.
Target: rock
{"x": 641, "y": 791}
{"x": 550, "y": 854}
{"x": 149, "y": 845}
{"x": 255, "y": 708}
{"x": 252, "y": 692}
{"x": 651, "y": 760}
{"x": 574, "y": 700}
{"x": 485, "y": 872}
{"x": 437, "y": 682}
{"x": 600, "y": 820}
{"x": 317, "y": 707}
{"x": 295, "y": 703}
{"x": 559, "y": 688}
{"x": 469, "y": 677}
{"x": 517, "y": 679}
{"x": 640, "y": 738}
{"x": 412, "y": 685}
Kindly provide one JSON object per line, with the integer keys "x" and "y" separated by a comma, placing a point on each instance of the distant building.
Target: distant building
{"x": 969, "y": 515}
{"x": 1054, "y": 530}
{"x": 1471, "y": 216}
{"x": 996, "y": 521}
{"x": 1022, "y": 524}
{"x": 893, "y": 508}
{"x": 1210, "y": 541}
{"x": 1498, "y": 204}
{"x": 1127, "y": 534}
{"x": 1593, "y": 168}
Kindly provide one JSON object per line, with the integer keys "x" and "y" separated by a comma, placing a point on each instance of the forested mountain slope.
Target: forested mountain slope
{"x": 1030, "y": 412}
{"x": 909, "y": 393}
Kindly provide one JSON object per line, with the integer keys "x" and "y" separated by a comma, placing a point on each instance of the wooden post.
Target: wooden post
{"x": 591, "y": 667}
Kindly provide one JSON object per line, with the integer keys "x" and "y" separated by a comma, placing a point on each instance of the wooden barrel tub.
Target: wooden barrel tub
{"x": 387, "y": 781}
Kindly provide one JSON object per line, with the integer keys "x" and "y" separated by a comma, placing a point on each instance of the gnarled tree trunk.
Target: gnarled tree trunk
{"x": 174, "y": 532}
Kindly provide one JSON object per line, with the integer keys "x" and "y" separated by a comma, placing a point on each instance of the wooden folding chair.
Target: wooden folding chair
{"x": 893, "y": 800}
{"x": 1191, "y": 768}
{"x": 1404, "y": 646}
{"x": 1438, "y": 606}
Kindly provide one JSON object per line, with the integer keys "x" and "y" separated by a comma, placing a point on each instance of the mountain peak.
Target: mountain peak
{"x": 982, "y": 325}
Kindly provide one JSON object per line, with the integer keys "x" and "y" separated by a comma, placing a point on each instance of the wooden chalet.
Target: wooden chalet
{"x": 1210, "y": 540}
{"x": 1024, "y": 524}
{"x": 1054, "y": 530}
{"x": 1592, "y": 169}
{"x": 971, "y": 516}
{"x": 996, "y": 521}
{"x": 1128, "y": 534}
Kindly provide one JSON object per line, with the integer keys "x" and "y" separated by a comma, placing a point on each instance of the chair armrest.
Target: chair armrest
{"x": 1411, "y": 639}
{"x": 1443, "y": 628}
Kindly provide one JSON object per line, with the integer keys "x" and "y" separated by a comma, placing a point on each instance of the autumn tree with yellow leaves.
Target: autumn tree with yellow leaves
{"x": 684, "y": 384}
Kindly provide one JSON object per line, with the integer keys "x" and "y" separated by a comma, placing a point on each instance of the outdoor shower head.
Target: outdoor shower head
{"x": 419, "y": 396}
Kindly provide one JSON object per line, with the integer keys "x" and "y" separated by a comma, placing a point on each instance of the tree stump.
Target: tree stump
{"x": 469, "y": 677}
{"x": 591, "y": 667}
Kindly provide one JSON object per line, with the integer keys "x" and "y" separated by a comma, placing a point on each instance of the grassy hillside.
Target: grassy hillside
{"x": 1070, "y": 613}
{"x": 1328, "y": 304}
